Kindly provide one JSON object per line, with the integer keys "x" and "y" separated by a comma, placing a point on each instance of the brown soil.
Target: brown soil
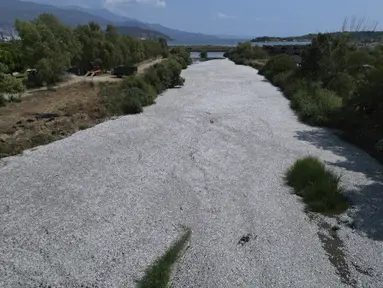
{"x": 48, "y": 116}
{"x": 45, "y": 116}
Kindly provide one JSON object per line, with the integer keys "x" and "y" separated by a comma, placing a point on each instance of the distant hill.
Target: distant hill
{"x": 105, "y": 14}
{"x": 73, "y": 15}
{"x": 13, "y": 9}
{"x": 182, "y": 36}
{"x": 282, "y": 39}
{"x": 10, "y": 10}
{"x": 95, "y": 7}
{"x": 141, "y": 32}
{"x": 360, "y": 36}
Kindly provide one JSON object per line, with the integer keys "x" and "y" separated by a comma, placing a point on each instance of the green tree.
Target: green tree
{"x": 47, "y": 45}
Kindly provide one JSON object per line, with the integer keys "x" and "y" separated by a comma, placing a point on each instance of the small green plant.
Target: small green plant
{"x": 158, "y": 275}
{"x": 318, "y": 186}
{"x": 41, "y": 139}
{"x": 83, "y": 126}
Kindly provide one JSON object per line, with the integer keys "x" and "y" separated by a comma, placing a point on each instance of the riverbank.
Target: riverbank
{"x": 49, "y": 115}
{"x": 334, "y": 95}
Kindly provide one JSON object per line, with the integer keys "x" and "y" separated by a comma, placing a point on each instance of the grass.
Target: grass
{"x": 83, "y": 126}
{"x": 319, "y": 187}
{"x": 159, "y": 273}
{"x": 316, "y": 106}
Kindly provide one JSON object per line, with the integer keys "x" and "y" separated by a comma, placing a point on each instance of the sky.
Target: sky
{"x": 246, "y": 17}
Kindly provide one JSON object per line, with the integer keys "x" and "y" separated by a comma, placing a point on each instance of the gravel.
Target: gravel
{"x": 97, "y": 208}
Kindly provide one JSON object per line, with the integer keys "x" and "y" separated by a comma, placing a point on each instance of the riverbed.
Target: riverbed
{"x": 97, "y": 208}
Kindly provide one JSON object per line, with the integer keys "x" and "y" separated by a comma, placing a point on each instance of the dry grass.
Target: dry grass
{"x": 75, "y": 105}
{"x": 72, "y": 108}
{"x": 257, "y": 64}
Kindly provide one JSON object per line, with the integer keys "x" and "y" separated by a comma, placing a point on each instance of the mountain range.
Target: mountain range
{"x": 74, "y": 15}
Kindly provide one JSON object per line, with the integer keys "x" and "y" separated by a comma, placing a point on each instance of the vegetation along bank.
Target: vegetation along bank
{"x": 50, "y": 48}
{"x": 336, "y": 83}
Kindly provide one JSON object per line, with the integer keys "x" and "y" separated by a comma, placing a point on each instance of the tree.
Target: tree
{"x": 47, "y": 46}
{"x": 203, "y": 54}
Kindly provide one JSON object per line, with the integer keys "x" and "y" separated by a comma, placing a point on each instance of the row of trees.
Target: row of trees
{"x": 338, "y": 84}
{"x": 51, "y": 47}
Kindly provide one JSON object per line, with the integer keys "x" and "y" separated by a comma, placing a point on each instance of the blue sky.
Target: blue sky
{"x": 249, "y": 17}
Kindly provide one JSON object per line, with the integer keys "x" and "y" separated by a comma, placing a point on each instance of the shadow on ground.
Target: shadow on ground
{"x": 366, "y": 200}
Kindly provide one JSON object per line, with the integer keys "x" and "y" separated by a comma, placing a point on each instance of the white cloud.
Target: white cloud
{"x": 221, "y": 15}
{"x": 158, "y": 3}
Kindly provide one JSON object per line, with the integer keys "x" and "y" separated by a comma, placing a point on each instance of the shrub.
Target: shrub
{"x": 132, "y": 101}
{"x": 125, "y": 102}
{"x": 318, "y": 186}
{"x": 292, "y": 87}
{"x": 136, "y": 92}
{"x": 184, "y": 64}
{"x": 203, "y": 54}
{"x": 41, "y": 139}
{"x": 315, "y": 106}
{"x": 342, "y": 84}
{"x": 83, "y": 126}
{"x": 175, "y": 69}
{"x": 149, "y": 94}
{"x": 183, "y": 53}
{"x": 151, "y": 77}
{"x": 278, "y": 64}
{"x": 15, "y": 98}
{"x": 282, "y": 79}
{"x": 12, "y": 85}
{"x": 164, "y": 74}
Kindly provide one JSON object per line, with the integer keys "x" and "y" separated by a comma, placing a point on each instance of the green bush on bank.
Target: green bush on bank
{"x": 136, "y": 92}
{"x": 315, "y": 106}
{"x": 183, "y": 53}
{"x": 342, "y": 84}
{"x": 318, "y": 186}
{"x": 282, "y": 79}
{"x": 203, "y": 54}
{"x": 278, "y": 64}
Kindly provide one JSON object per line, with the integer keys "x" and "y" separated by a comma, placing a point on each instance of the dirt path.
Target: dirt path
{"x": 95, "y": 209}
